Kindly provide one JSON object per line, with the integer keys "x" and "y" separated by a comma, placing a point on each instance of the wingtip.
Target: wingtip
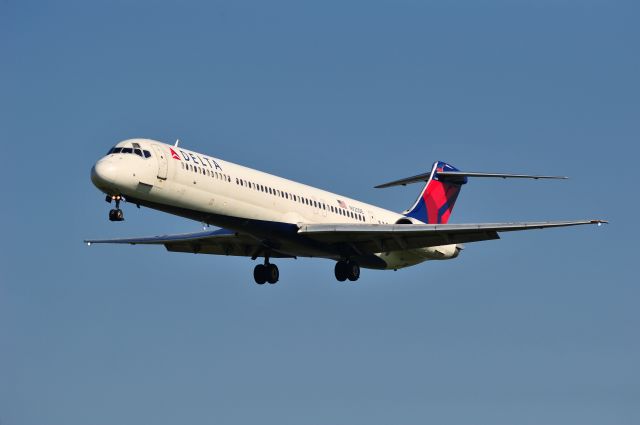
{"x": 599, "y": 222}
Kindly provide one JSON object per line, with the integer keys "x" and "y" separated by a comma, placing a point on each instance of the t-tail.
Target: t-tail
{"x": 439, "y": 194}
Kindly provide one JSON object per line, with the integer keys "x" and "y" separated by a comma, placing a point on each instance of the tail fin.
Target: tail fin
{"x": 436, "y": 201}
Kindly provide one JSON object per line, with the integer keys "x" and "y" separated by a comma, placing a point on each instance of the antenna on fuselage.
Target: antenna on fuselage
{"x": 177, "y": 142}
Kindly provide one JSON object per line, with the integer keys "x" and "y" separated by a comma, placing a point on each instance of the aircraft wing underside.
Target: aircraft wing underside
{"x": 216, "y": 242}
{"x": 374, "y": 238}
{"x": 343, "y": 239}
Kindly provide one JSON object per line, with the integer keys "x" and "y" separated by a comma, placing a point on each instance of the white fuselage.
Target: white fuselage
{"x": 181, "y": 181}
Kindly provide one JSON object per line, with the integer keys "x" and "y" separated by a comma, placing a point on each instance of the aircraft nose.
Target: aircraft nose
{"x": 104, "y": 172}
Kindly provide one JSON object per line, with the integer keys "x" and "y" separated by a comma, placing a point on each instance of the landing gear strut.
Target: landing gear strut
{"x": 266, "y": 272}
{"x": 347, "y": 270}
{"x": 115, "y": 214}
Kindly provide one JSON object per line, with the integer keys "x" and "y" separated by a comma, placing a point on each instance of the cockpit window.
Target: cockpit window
{"x": 143, "y": 153}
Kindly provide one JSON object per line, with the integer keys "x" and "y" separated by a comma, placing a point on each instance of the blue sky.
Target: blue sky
{"x": 540, "y": 327}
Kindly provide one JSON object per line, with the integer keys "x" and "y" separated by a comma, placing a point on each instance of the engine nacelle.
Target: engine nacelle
{"x": 408, "y": 220}
{"x": 442, "y": 252}
{"x": 410, "y": 257}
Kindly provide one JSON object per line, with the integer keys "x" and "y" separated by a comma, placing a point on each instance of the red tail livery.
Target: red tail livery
{"x": 438, "y": 197}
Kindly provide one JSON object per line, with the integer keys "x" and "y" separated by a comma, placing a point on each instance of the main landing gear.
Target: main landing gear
{"x": 266, "y": 272}
{"x": 347, "y": 270}
{"x": 115, "y": 214}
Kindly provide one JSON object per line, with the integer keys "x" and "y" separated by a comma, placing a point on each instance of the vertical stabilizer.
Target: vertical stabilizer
{"x": 436, "y": 201}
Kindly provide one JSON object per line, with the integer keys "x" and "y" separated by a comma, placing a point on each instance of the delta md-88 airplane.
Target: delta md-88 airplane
{"x": 260, "y": 215}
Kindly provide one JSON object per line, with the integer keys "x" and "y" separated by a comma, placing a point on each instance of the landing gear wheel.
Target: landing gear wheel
{"x": 341, "y": 271}
{"x": 353, "y": 271}
{"x": 260, "y": 274}
{"x": 272, "y": 273}
{"x": 116, "y": 215}
{"x": 347, "y": 270}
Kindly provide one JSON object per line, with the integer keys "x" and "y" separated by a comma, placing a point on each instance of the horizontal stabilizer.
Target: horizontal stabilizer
{"x": 459, "y": 176}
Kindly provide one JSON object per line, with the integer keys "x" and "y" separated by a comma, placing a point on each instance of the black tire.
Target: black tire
{"x": 341, "y": 271}
{"x": 353, "y": 271}
{"x": 119, "y": 215}
{"x": 260, "y": 274}
{"x": 272, "y": 273}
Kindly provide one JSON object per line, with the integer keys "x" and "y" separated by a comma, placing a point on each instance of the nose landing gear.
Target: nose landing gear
{"x": 115, "y": 214}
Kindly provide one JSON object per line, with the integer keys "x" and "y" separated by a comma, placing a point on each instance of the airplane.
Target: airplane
{"x": 260, "y": 215}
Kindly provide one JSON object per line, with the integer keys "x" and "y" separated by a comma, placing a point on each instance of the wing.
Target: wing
{"x": 217, "y": 242}
{"x": 373, "y": 238}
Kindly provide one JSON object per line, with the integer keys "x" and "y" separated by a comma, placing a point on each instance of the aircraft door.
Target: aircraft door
{"x": 163, "y": 163}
